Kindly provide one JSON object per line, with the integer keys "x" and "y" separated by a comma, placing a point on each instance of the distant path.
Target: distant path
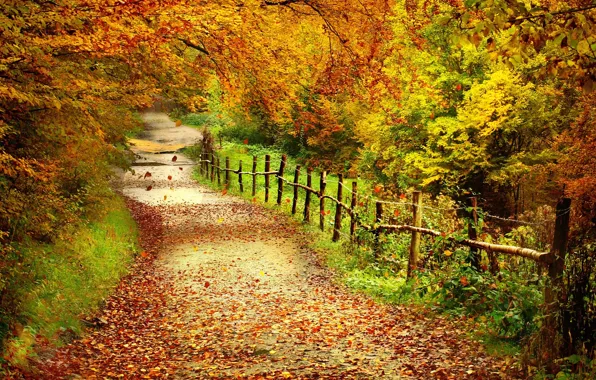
{"x": 229, "y": 290}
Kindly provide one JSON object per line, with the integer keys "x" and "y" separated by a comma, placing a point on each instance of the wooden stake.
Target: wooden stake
{"x": 415, "y": 244}
{"x": 473, "y": 232}
{"x": 218, "y": 171}
{"x": 337, "y": 224}
{"x": 207, "y": 158}
{"x": 227, "y": 171}
{"x": 212, "y": 167}
{"x": 353, "y": 208}
{"x": 307, "y": 197}
{"x": 295, "y": 200}
{"x": 280, "y": 181}
{"x": 254, "y": 176}
{"x": 322, "y": 186}
{"x": 377, "y": 231}
{"x": 267, "y": 170}
{"x": 554, "y": 289}
{"x": 240, "y": 177}
{"x": 201, "y": 165}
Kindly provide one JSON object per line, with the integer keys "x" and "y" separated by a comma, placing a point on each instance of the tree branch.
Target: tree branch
{"x": 194, "y": 46}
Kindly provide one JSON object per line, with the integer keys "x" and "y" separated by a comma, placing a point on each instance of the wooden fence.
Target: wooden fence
{"x": 554, "y": 260}
{"x": 210, "y": 167}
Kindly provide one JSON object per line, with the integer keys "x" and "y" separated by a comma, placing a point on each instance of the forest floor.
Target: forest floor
{"x": 227, "y": 289}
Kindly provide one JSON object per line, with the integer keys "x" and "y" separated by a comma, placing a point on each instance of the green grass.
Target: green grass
{"x": 64, "y": 281}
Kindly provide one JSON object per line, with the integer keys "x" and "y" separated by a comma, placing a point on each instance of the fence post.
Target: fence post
{"x": 322, "y": 186}
{"x": 254, "y": 176}
{"x": 377, "y": 231}
{"x": 201, "y": 163}
{"x": 415, "y": 244}
{"x": 227, "y": 171}
{"x": 554, "y": 287}
{"x": 212, "y": 167}
{"x": 207, "y": 155}
{"x": 201, "y": 172}
{"x": 240, "y": 177}
{"x": 280, "y": 181}
{"x": 353, "y": 208}
{"x": 493, "y": 262}
{"x": 204, "y": 164}
{"x": 295, "y": 200}
{"x": 218, "y": 171}
{"x": 267, "y": 170}
{"x": 307, "y": 198}
{"x": 337, "y": 224}
{"x": 473, "y": 232}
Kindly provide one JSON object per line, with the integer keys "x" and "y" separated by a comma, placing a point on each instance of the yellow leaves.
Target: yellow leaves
{"x": 447, "y": 253}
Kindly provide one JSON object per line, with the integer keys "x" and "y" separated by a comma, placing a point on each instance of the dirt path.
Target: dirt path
{"x": 227, "y": 289}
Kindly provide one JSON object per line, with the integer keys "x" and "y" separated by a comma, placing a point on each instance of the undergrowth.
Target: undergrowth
{"x": 58, "y": 284}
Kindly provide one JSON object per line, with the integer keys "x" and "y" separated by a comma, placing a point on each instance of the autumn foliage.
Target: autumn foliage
{"x": 455, "y": 97}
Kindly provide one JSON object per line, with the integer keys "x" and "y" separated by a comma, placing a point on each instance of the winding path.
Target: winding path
{"x": 227, "y": 289}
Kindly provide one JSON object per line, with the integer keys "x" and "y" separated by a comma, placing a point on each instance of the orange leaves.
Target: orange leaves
{"x": 147, "y": 175}
{"x": 458, "y": 87}
{"x": 224, "y": 191}
{"x": 178, "y": 123}
{"x": 245, "y": 142}
{"x": 402, "y": 196}
{"x": 378, "y": 189}
{"x": 464, "y": 281}
{"x": 207, "y": 284}
{"x": 396, "y": 212}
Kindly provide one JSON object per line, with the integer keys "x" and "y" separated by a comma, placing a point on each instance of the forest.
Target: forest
{"x": 493, "y": 99}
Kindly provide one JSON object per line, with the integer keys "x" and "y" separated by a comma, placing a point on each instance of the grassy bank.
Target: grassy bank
{"x": 58, "y": 284}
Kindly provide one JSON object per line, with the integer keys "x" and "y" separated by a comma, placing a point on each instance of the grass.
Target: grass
{"x": 69, "y": 279}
